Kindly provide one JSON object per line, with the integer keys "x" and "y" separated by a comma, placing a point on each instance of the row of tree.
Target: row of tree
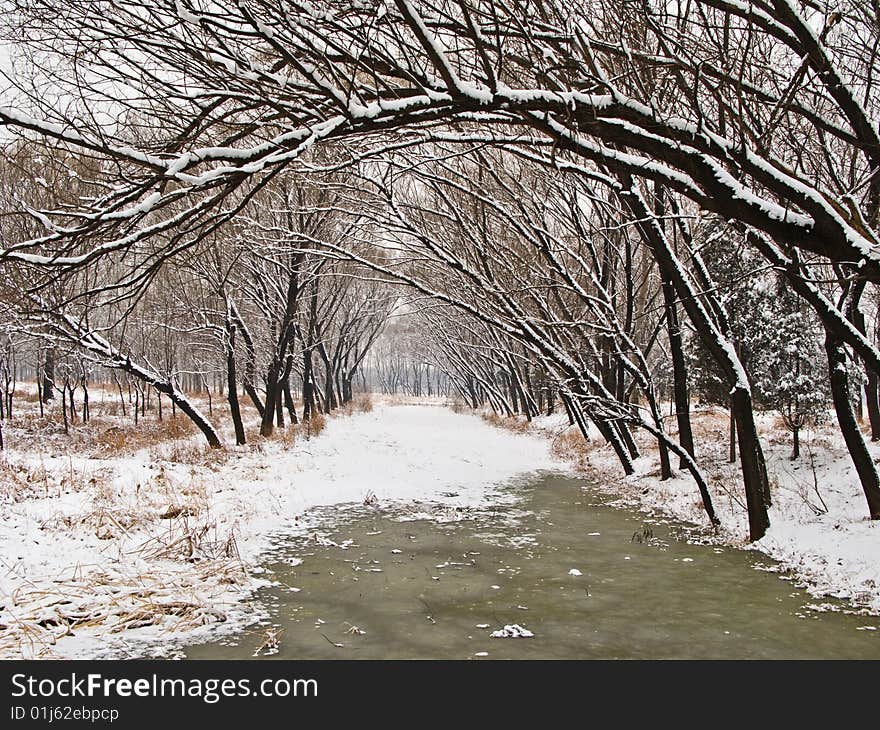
{"x": 583, "y": 199}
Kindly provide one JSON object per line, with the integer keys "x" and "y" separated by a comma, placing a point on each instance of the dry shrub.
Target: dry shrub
{"x": 120, "y": 439}
{"x": 287, "y": 435}
{"x": 363, "y": 403}
{"x": 190, "y": 540}
{"x": 184, "y": 452}
{"x": 22, "y": 481}
{"x": 176, "y": 427}
{"x": 314, "y": 424}
{"x": 510, "y": 423}
{"x": 710, "y": 425}
{"x": 573, "y": 447}
{"x": 459, "y": 406}
{"x": 115, "y": 440}
{"x": 26, "y": 396}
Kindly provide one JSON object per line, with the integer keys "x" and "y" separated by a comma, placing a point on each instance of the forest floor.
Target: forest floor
{"x": 120, "y": 540}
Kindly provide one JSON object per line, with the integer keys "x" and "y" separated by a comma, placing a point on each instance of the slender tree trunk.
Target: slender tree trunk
{"x": 857, "y": 317}
{"x": 288, "y": 401}
{"x": 731, "y": 450}
{"x": 64, "y": 410}
{"x": 70, "y": 391}
{"x": 40, "y": 392}
{"x": 49, "y": 376}
{"x": 279, "y": 406}
{"x": 267, "y": 422}
{"x": 232, "y": 385}
{"x": 757, "y": 486}
{"x": 250, "y": 367}
{"x": 308, "y": 388}
{"x": 627, "y": 438}
{"x": 679, "y": 372}
{"x": 849, "y": 427}
{"x": 612, "y": 436}
{"x": 872, "y": 398}
{"x": 121, "y": 394}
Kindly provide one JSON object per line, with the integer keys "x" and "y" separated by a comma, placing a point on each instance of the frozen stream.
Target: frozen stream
{"x": 589, "y": 580}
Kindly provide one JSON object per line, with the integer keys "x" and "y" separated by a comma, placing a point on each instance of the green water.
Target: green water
{"x": 646, "y": 589}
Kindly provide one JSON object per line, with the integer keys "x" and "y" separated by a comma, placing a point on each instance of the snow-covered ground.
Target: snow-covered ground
{"x": 142, "y": 549}
{"x": 109, "y": 552}
{"x": 820, "y": 529}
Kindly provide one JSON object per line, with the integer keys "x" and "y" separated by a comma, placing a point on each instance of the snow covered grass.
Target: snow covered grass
{"x": 113, "y": 546}
{"x": 819, "y": 531}
{"x": 114, "y": 550}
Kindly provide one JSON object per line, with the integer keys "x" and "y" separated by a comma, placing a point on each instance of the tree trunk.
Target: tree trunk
{"x": 757, "y": 486}
{"x": 308, "y": 388}
{"x": 612, "y": 436}
{"x": 267, "y": 422}
{"x": 627, "y": 438}
{"x": 857, "y": 317}
{"x": 121, "y": 394}
{"x": 288, "y": 401}
{"x": 279, "y": 406}
{"x": 679, "y": 373}
{"x": 49, "y": 376}
{"x": 232, "y": 385}
{"x": 872, "y": 397}
{"x": 849, "y": 427}
{"x": 250, "y": 367}
{"x": 64, "y": 410}
{"x": 731, "y": 450}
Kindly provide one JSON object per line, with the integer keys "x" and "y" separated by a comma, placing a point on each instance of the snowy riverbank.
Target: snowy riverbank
{"x": 142, "y": 550}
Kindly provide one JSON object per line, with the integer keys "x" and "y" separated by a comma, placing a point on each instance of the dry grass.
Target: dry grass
{"x": 103, "y": 436}
{"x": 20, "y": 481}
{"x": 510, "y": 423}
{"x": 313, "y": 425}
{"x": 710, "y": 425}
{"x": 192, "y": 454}
{"x": 288, "y": 435}
{"x": 165, "y": 522}
{"x": 190, "y": 539}
{"x": 573, "y": 447}
{"x": 23, "y": 481}
{"x": 26, "y": 396}
{"x": 111, "y": 603}
{"x": 122, "y": 439}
